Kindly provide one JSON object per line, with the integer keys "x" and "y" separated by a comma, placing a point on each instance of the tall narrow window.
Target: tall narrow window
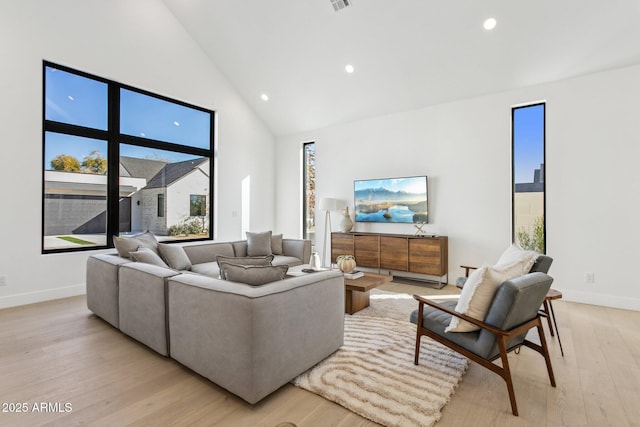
{"x": 309, "y": 191}
{"x": 161, "y": 205}
{"x": 528, "y": 163}
{"x": 118, "y": 160}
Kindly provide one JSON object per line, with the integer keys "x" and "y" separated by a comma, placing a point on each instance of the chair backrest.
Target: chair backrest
{"x": 516, "y": 301}
{"x": 542, "y": 264}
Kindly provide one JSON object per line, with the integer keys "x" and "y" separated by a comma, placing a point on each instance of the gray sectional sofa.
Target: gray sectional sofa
{"x": 250, "y": 340}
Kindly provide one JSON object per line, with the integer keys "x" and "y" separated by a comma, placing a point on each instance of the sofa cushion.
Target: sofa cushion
{"x": 256, "y": 260}
{"x": 126, "y": 245}
{"x": 207, "y": 252}
{"x": 147, "y": 256}
{"x": 254, "y": 275}
{"x": 259, "y": 244}
{"x": 209, "y": 269}
{"x": 291, "y": 261}
{"x": 174, "y": 256}
{"x": 276, "y": 244}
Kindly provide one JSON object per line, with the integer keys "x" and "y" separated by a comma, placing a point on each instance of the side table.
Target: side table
{"x": 547, "y": 311}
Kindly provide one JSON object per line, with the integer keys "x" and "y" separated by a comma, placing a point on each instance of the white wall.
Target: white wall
{"x": 593, "y": 196}
{"x": 138, "y": 43}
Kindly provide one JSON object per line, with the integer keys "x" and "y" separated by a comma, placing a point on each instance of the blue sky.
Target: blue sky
{"x": 82, "y": 101}
{"x": 528, "y": 134}
{"x": 410, "y": 185}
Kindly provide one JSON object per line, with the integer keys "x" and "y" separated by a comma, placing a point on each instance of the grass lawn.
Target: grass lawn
{"x": 75, "y": 240}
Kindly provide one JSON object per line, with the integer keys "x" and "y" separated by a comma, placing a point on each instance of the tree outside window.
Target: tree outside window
{"x": 198, "y": 205}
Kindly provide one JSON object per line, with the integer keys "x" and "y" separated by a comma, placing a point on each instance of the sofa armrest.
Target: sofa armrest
{"x": 102, "y": 285}
{"x": 299, "y": 248}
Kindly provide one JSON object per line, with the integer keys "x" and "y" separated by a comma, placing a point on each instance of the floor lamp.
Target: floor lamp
{"x": 327, "y": 204}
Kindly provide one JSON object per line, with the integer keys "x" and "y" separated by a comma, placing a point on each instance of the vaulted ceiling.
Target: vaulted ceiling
{"x": 406, "y": 54}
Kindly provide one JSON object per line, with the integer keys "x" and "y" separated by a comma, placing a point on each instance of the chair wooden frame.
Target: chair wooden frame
{"x": 502, "y": 338}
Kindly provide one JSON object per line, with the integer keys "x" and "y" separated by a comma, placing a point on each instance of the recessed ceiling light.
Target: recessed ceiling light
{"x": 264, "y": 97}
{"x": 349, "y": 68}
{"x": 490, "y": 23}
{"x": 176, "y": 123}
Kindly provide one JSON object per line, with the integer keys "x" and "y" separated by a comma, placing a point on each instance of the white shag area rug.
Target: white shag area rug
{"x": 373, "y": 373}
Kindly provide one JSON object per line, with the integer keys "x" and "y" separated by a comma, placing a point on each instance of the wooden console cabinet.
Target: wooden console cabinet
{"x": 397, "y": 252}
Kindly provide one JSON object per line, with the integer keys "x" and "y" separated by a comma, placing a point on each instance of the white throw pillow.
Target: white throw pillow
{"x": 476, "y": 297}
{"x": 515, "y": 255}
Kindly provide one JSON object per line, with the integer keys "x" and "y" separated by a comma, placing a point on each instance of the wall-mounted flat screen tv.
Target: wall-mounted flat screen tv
{"x": 392, "y": 200}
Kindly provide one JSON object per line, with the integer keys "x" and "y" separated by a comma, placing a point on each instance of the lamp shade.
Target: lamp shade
{"x": 329, "y": 204}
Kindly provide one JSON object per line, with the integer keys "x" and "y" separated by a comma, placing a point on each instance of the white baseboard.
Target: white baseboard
{"x": 39, "y": 296}
{"x": 601, "y": 300}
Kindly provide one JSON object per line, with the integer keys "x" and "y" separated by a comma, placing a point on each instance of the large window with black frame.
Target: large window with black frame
{"x": 528, "y": 165}
{"x": 120, "y": 160}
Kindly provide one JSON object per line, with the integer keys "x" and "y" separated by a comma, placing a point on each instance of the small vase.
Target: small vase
{"x": 345, "y": 222}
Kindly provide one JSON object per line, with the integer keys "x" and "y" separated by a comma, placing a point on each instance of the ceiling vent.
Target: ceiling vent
{"x": 340, "y": 4}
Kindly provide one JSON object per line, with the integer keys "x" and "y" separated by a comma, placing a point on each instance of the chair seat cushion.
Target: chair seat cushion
{"x": 436, "y": 321}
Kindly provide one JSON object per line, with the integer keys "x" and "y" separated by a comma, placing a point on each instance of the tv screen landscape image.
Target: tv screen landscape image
{"x": 391, "y": 200}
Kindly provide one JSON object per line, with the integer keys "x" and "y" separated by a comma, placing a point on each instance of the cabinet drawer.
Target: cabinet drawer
{"x": 341, "y": 244}
{"x": 367, "y": 251}
{"x": 425, "y": 256}
{"x": 393, "y": 253}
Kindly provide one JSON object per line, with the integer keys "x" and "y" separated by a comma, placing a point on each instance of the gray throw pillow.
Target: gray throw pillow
{"x": 276, "y": 244}
{"x": 254, "y": 275}
{"x": 147, "y": 256}
{"x": 259, "y": 244}
{"x": 126, "y": 245}
{"x": 256, "y": 260}
{"x": 175, "y": 256}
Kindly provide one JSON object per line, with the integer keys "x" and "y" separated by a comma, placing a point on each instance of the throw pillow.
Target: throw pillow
{"x": 259, "y": 244}
{"x": 175, "y": 256}
{"x": 147, "y": 256}
{"x": 476, "y": 297}
{"x": 276, "y": 244}
{"x": 126, "y": 245}
{"x": 514, "y": 254}
{"x": 256, "y": 260}
{"x": 254, "y": 275}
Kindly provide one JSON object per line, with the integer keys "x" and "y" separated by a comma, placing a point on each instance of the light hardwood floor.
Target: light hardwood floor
{"x": 57, "y": 352}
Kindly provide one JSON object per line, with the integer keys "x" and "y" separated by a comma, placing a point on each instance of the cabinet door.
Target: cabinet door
{"x": 426, "y": 256}
{"x": 394, "y": 253}
{"x": 341, "y": 244}
{"x": 367, "y": 251}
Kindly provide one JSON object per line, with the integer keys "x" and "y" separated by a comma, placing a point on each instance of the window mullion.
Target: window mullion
{"x": 113, "y": 171}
